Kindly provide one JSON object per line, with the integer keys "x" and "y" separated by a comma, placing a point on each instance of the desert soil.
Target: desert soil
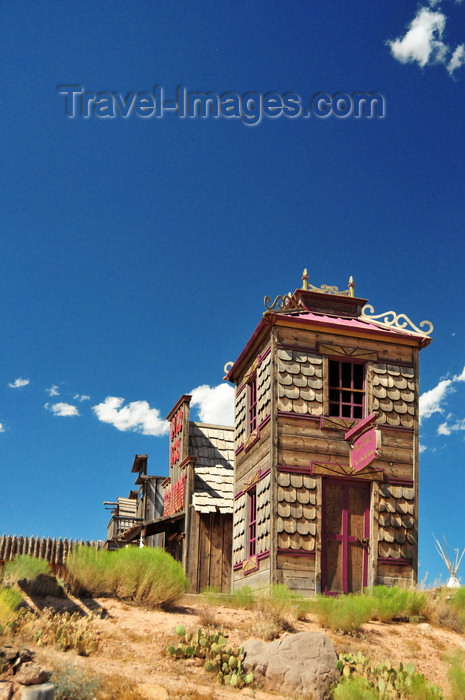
{"x": 133, "y": 642}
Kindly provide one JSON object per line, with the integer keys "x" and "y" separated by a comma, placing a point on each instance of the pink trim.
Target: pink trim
{"x": 399, "y": 482}
{"x": 354, "y": 324}
{"x": 263, "y": 555}
{"x": 265, "y": 354}
{"x": 239, "y": 449}
{"x": 349, "y": 476}
{"x": 293, "y": 470}
{"x": 259, "y": 433}
{"x": 260, "y": 557}
{"x": 393, "y": 560}
{"x": 302, "y": 416}
{"x": 296, "y": 552}
{"x": 259, "y": 359}
{"x": 265, "y": 421}
{"x": 261, "y": 475}
{"x": 246, "y": 350}
{"x": 362, "y": 425}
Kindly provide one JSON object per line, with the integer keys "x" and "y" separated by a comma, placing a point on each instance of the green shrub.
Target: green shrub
{"x": 354, "y": 688}
{"x": 147, "y": 575}
{"x": 10, "y": 599}
{"x": 456, "y": 675}
{"x": 346, "y": 613}
{"x": 72, "y": 684}
{"x": 280, "y": 604}
{"x": 243, "y": 598}
{"x": 396, "y": 603}
{"x": 24, "y": 566}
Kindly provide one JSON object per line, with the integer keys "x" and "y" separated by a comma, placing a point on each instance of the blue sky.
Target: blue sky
{"x": 135, "y": 253}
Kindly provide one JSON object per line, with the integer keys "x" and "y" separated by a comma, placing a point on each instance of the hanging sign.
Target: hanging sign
{"x": 364, "y": 439}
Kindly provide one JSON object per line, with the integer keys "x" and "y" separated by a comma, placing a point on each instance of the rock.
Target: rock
{"x": 303, "y": 663}
{"x": 151, "y": 691}
{"x": 6, "y": 690}
{"x": 45, "y": 691}
{"x": 8, "y": 653}
{"x": 30, "y": 674}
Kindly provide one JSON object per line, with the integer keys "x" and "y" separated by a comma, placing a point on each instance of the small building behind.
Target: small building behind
{"x": 189, "y": 512}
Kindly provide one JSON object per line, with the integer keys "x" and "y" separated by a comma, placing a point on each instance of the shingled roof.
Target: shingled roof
{"x": 213, "y": 445}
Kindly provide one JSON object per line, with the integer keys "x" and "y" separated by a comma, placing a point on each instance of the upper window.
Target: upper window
{"x": 346, "y": 389}
{"x": 252, "y": 399}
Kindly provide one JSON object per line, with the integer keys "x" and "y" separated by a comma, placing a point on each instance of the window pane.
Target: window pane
{"x": 346, "y": 375}
{"x": 358, "y": 376}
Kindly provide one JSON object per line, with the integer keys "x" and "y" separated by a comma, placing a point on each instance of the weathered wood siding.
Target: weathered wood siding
{"x": 53, "y": 550}
{"x": 209, "y": 562}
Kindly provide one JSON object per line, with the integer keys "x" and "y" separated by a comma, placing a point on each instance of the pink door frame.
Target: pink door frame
{"x": 344, "y": 536}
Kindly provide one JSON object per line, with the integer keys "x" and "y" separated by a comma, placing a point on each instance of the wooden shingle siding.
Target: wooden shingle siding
{"x": 264, "y": 388}
{"x": 394, "y": 397}
{"x": 397, "y": 532}
{"x": 297, "y": 514}
{"x": 300, "y": 382}
{"x": 240, "y": 421}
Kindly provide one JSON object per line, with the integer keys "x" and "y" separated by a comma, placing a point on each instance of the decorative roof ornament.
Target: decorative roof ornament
{"x": 326, "y": 288}
{"x": 283, "y": 302}
{"x": 289, "y": 303}
{"x": 394, "y": 320}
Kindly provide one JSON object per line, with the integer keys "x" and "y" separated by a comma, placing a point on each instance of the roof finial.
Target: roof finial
{"x": 305, "y": 280}
{"x": 351, "y": 286}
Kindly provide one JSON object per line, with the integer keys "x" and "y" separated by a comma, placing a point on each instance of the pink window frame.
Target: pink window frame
{"x": 340, "y": 403}
{"x": 252, "y": 523}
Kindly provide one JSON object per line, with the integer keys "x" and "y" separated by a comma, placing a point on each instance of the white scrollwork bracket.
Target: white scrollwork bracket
{"x": 394, "y": 320}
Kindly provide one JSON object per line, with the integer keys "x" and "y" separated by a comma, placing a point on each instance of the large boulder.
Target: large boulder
{"x": 297, "y": 664}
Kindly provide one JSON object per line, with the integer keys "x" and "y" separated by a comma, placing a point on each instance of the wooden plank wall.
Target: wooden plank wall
{"x": 209, "y": 561}
{"x": 53, "y": 550}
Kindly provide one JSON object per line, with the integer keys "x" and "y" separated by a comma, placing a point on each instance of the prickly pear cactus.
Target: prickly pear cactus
{"x": 218, "y": 657}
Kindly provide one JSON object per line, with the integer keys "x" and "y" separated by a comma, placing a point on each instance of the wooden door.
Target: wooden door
{"x": 345, "y": 536}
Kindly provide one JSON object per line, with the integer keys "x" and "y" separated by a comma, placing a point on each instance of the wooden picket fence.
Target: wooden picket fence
{"x": 53, "y": 550}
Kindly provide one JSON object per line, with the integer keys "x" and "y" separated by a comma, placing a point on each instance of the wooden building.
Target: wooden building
{"x": 326, "y": 445}
{"x": 189, "y": 513}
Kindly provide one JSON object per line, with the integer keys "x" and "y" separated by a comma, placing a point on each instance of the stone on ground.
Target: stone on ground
{"x": 303, "y": 663}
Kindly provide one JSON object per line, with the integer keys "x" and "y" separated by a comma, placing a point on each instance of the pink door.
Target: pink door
{"x": 345, "y": 536}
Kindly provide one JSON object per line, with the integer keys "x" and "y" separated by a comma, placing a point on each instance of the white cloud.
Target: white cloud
{"x": 62, "y": 409}
{"x": 423, "y": 448}
{"x": 423, "y": 42}
{"x": 81, "y": 397}
{"x": 433, "y": 401}
{"x": 18, "y": 383}
{"x": 53, "y": 390}
{"x": 457, "y": 60}
{"x": 430, "y": 401}
{"x": 215, "y": 404}
{"x": 137, "y": 416}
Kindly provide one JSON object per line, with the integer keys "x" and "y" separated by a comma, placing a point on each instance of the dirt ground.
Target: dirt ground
{"x": 133, "y": 643}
